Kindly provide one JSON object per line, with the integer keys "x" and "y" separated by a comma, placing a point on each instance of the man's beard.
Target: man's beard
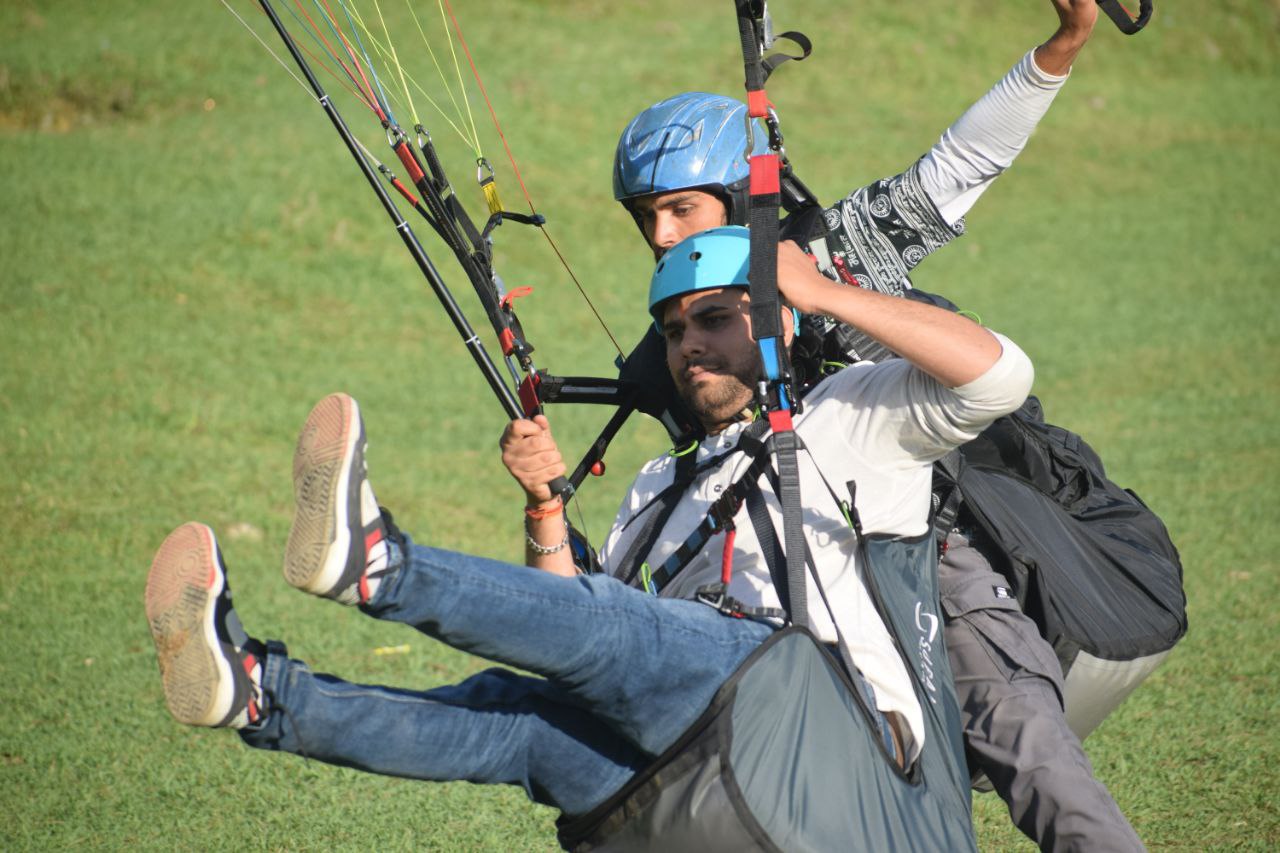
{"x": 720, "y": 402}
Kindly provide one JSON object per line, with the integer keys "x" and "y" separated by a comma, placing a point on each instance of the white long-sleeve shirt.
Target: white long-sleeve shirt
{"x": 877, "y": 234}
{"x": 984, "y": 141}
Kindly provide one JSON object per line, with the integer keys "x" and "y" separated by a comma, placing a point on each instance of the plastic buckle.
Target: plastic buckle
{"x": 713, "y": 595}
{"x": 723, "y": 510}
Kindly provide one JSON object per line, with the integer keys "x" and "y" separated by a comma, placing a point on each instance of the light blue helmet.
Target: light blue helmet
{"x": 693, "y": 140}
{"x": 717, "y": 257}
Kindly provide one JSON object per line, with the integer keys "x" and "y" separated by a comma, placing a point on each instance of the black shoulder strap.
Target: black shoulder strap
{"x": 758, "y": 512}
{"x": 658, "y": 513}
{"x": 718, "y": 518}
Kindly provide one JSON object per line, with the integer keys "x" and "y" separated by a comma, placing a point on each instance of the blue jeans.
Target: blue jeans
{"x": 623, "y": 674}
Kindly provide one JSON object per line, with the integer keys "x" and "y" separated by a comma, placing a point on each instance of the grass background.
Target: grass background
{"x": 190, "y": 260}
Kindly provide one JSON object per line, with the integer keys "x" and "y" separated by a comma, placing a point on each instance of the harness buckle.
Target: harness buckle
{"x": 715, "y": 595}
{"x": 724, "y": 509}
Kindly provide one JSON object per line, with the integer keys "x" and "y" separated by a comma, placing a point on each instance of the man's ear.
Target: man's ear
{"x": 790, "y": 325}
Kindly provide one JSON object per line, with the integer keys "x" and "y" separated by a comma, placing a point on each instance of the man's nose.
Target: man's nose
{"x": 691, "y": 344}
{"x": 665, "y": 233}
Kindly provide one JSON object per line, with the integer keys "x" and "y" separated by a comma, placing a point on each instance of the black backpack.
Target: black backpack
{"x": 1087, "y": 559}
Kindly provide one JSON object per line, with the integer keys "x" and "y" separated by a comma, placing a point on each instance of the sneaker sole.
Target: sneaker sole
{"x": 183, "y": 586}
{"x": 326, "y": 497}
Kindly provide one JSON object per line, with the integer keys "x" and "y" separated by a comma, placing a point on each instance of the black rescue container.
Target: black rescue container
{"x": 1087, "y": 559}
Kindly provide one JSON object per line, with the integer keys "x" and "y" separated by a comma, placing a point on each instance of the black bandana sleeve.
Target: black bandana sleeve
{"x": 873, "y": 238}
{"x": 876, "y": 235}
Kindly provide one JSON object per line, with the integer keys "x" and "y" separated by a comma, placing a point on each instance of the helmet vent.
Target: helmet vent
{"x": 693, "y": 256}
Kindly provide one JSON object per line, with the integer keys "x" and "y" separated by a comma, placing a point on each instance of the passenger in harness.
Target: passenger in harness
{"x": 680, "y": 168}
{"x": 619, "y": 672}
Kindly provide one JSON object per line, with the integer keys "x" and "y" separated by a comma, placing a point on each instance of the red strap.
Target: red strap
{"x": 529, "y": 394}
{"x": 726, "y": 559}
{"x": 404, "y": 191}
{"x": 765, "y": 171}
{"x": 410, "y": 163}
{"x": 780, "y": 420}
{"x": 758, "y": 103}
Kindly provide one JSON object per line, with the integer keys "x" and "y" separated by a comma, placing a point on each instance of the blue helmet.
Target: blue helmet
{"x": 717, "y": 257}
{"x": 693, "y": 140}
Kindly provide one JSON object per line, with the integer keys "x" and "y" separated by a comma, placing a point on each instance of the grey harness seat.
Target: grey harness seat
{"x": 787, "y": 758}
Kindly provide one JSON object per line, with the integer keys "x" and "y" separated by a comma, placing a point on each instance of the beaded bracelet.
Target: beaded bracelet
{"x": 543, "y": 550}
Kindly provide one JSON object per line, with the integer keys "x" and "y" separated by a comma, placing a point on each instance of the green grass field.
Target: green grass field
{"x": 190, "y": 259}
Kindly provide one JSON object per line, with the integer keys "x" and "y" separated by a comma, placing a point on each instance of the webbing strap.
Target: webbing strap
{"x": 775, "y": 392}
{"x": 765, "y": 201}
{"x": 662, "y": 507}
{"x": 749, "y": 12}
{"x": 788, "y": 490}
{"x": 666, "y": 501}
{"x": 758, "y": 512}
{"x": 719, "y": 518}
{"x": 802, "y": 41}
{"x": 766, "y": 324}
{"x": 658, "y": 511}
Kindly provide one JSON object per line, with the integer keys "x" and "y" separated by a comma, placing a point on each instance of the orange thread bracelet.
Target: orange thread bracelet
{"x": 539, "y": 513}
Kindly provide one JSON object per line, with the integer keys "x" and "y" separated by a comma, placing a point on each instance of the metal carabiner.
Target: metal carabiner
{"x": 775, "y": 135}
{"x": 489, "y": 186}
{"x": 764, "y": 28}
{"x": 775, "y": 132}
{"x": 751, "y": 136}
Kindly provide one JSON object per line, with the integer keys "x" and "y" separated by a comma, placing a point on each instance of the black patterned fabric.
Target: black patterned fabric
{"x": 872, "y": 238}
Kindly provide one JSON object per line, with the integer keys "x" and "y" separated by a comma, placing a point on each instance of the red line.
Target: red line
{"x": 319, "y": 34}
{"x": 458, "y": 29}
{"x": 355, "y": 61}
{"x": 344, "y": 83}
{"x": 404, "y": 191}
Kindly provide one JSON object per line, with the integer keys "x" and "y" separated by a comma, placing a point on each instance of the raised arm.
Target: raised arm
{"x": 1076, "y": 19}
{"x": 986, "y": 139}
